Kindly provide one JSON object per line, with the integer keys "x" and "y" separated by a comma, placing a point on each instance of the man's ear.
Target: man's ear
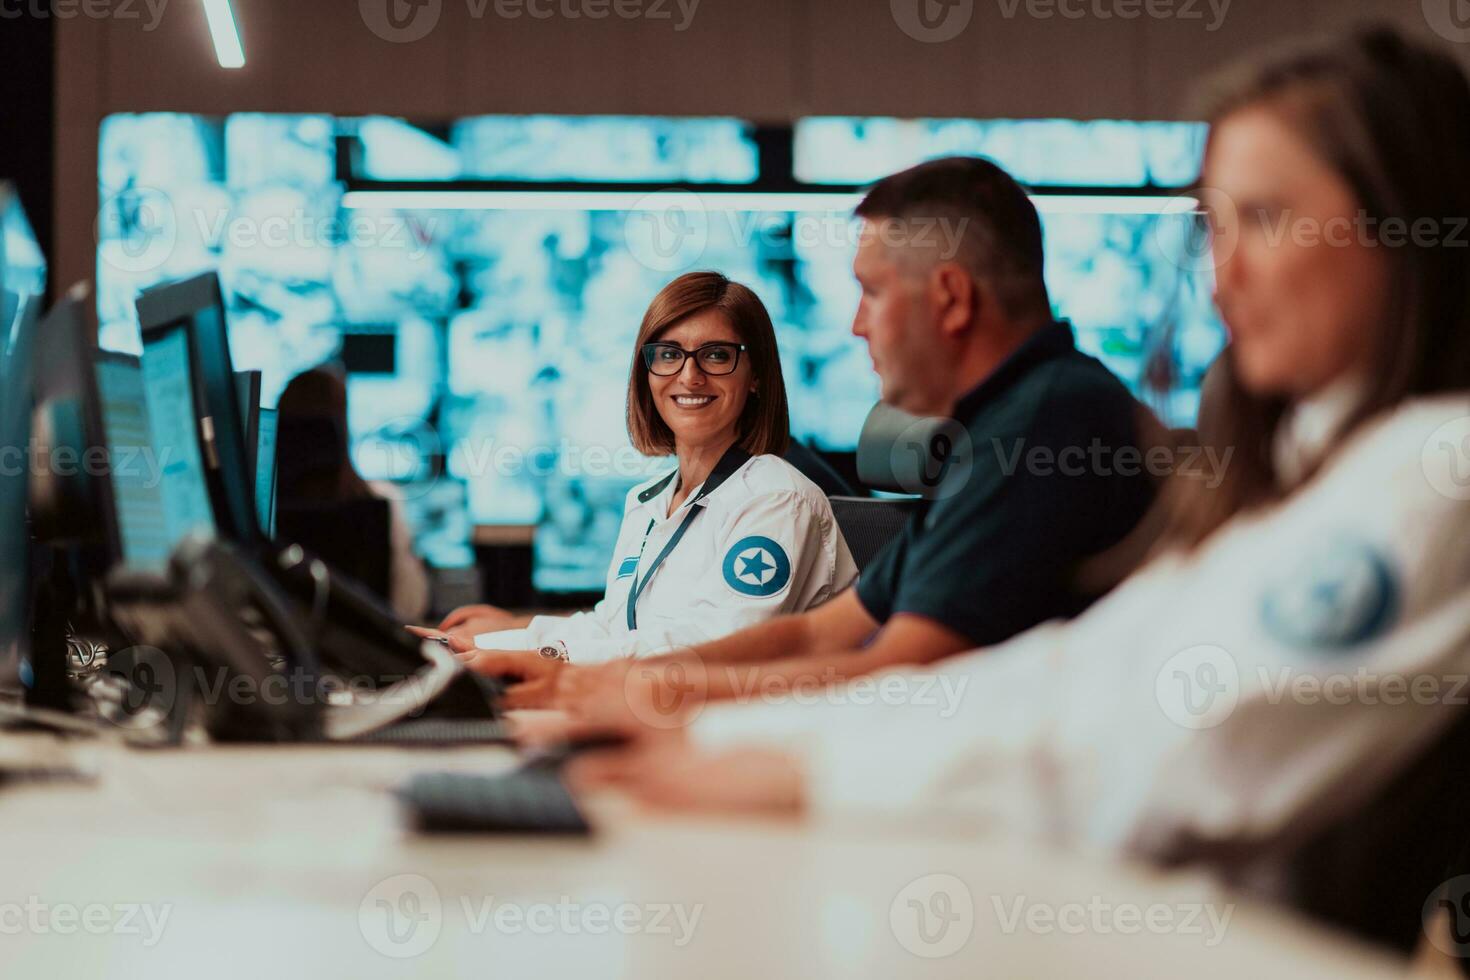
{"x": 957, "y": 301}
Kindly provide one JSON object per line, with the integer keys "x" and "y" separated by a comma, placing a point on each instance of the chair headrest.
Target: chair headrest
{"x": 903, "y": 453}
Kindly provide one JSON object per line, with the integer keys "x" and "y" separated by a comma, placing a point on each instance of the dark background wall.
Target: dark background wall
{"x": 758, "y": 59}
{"x": 27, "y": 117}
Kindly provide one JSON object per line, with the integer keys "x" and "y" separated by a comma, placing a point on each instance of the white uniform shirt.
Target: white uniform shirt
{"x": 1269, "y": 682}
{"x": 764, "y": 544}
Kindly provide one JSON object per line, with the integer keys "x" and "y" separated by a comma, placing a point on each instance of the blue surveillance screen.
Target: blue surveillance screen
{"x": 512, "y": 318}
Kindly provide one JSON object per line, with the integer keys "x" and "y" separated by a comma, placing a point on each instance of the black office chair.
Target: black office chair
{"x": 352, "y": 537}
{"x": 897, "y": 454}
{"x": 812, "y": 466}
{"x": 869, "y": 523}
{"x": 1373, "y": 873}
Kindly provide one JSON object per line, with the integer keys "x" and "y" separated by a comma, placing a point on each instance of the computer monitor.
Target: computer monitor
{"x": 247, "y": 391}
{"x": 71, "y": 494}
{"x": 265, "y": 471}
{"x": 17, "y": 333}
{"x": 22, "y": 265}
{"x": 157, "y": 469}
{"x": 191, "y": 315}
{"x": 73, "y": 516}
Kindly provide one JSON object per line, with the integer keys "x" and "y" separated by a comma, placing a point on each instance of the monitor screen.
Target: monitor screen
{"x": 173, "y": 421}
{"x": 137, "y": 464}
{"x": 194, "y": 309}
{"x": 22, "y": 265}
{"x": 265, "y": 471}
{"x": 16, "y": 333}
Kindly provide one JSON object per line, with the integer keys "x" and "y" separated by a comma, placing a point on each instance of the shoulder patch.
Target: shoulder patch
{"x": 628, "y": 566}
{"x": 1337, "y": 596}
{"x": 757, "y": 566}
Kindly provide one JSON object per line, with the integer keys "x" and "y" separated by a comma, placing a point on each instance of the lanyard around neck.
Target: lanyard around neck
{"x": 734, "y": 458}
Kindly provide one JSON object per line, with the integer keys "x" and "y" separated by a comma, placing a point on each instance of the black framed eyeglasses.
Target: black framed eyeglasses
{"x": 667, "y": 360}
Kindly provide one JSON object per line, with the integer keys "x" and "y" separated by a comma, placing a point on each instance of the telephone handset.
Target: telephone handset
{"x": 237, "y": 647}
{"x": 249, "y": 660}
{"x": 360, "y": 640}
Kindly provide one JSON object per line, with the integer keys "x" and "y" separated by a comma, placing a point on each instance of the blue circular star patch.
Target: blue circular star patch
{"x": 757, "y": 566}
{"x": 1341, "y": 594}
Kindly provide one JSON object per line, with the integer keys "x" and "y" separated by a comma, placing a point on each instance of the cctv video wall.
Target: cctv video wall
{"x": 483, "y": 280}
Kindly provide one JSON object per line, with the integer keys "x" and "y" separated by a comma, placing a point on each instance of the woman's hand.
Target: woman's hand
{"x": 461, "y": 645}
{"x": 533, "y": 677}
{"x": 470, "y": 621}
{"x": 632, "y": 699}
{"x": 666, "y": 772}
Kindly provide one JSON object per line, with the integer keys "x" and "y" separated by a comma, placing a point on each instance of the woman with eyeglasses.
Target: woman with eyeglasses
{"x": 733, "y": 535}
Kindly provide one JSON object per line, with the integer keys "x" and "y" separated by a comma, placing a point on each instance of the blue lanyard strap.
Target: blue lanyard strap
{"x": 734, "y": 458}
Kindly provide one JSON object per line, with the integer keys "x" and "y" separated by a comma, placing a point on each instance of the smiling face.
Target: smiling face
{"x": 1300, "y": 281}
{"x": 702, "y": 409}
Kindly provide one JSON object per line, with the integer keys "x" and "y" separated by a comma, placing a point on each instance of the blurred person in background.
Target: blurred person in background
{"x": 315, "y": 471}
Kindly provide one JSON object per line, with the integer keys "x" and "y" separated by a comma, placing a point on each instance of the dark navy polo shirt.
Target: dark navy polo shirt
{"x": 1055, "y": 476}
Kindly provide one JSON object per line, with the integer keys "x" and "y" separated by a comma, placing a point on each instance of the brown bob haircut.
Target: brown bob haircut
{"x": 765, "y": 425}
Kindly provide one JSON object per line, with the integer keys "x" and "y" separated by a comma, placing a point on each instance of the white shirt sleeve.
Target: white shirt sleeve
{"x": 895, "y": 742}
{"x": 585, "y": 635}
{"x": 1222, "y": 700}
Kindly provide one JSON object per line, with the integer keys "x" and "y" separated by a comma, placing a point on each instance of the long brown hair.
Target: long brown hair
{"x": 1392, "y": 117}
{"x": 765, "y": 424}
{"x": 313, "y": 451}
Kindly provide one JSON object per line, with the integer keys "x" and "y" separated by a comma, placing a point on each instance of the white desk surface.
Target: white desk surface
{"x": 285, "y": 862}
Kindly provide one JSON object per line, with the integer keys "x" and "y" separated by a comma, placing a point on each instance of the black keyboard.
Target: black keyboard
{"x": 522, "y": 802}
{"x": 438, "y": 732}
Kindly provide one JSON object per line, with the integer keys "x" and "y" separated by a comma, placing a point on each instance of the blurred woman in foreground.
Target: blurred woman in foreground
{"x": 1247, "y": 689}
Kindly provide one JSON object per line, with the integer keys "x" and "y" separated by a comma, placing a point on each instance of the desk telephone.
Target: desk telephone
{"x": 285, "y": 654}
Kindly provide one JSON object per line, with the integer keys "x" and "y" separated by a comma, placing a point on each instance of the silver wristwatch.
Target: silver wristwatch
{"x": 555, "y": 652}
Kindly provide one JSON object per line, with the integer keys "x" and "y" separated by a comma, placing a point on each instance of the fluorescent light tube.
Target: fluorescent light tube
{"x": 227, "y": 47}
